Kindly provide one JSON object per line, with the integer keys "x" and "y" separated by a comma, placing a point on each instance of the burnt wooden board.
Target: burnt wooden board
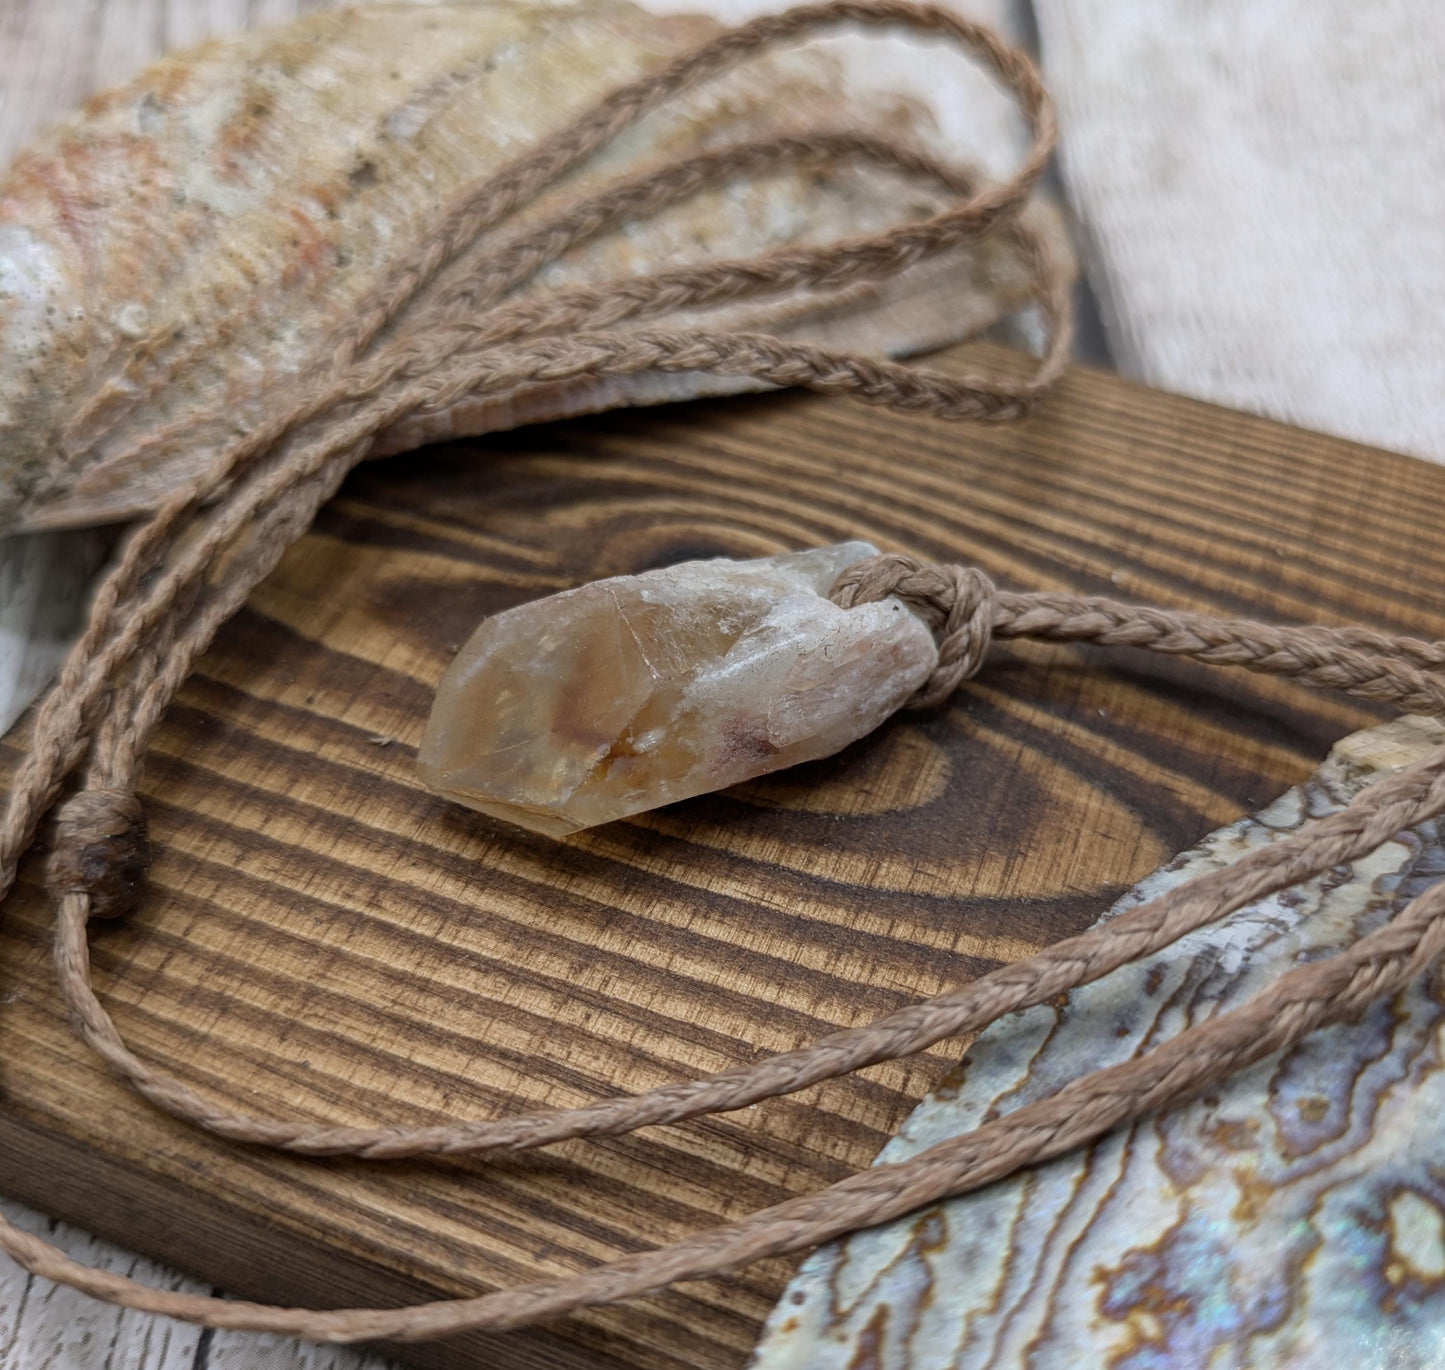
{"x": 325, "y": 939}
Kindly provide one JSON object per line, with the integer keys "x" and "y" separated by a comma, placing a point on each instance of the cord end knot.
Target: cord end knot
{"x": 101, "y": 850}
{"x": 957, "y": 603}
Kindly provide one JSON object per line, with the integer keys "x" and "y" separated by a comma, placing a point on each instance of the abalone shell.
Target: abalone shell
{"x": 188, "y": 242}
{"x": 1292, "y": 1217}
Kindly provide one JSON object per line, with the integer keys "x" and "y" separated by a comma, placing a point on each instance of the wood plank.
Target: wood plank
{"x": 326, "y": 940}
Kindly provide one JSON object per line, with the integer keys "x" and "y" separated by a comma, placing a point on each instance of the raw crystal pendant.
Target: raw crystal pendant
{"x": 633, "y": 692}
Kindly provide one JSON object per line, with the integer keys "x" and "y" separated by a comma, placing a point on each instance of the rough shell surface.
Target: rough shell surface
{"x": 1291, "y": 1217}
{"x": 190, "y": 240}
{"x": 633, "y": 692}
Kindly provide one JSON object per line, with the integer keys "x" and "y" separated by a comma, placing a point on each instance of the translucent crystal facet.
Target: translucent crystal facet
{"x": 633, "y": 692}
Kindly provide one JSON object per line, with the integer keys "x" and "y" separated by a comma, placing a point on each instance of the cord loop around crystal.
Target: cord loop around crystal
{"x": 958, "y": 603}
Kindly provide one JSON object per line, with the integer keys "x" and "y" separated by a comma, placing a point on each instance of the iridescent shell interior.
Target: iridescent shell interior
{"x": 1287, "y": 1216}
{"x": 177, "y": 250}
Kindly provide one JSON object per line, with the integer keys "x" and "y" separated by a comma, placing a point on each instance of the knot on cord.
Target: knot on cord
{"x": 101, "y": 850}
{"x": 957, "y": 603}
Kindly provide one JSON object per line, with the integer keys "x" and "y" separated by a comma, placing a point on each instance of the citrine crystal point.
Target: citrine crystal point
{"x": 629, "y": 693}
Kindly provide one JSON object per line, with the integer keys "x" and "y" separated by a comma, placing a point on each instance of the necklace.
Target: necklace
{"x": 194, "y": 563}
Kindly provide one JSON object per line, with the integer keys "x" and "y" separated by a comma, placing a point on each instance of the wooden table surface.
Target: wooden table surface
{"x": 326, "y": 940}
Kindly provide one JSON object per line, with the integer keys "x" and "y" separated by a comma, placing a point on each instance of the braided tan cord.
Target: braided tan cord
{"x": 1298, "y": 1002}
{"x": 1376, "y": 814}
{"x": 127, "y": 609}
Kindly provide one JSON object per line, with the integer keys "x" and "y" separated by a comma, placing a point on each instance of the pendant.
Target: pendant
{"x": 629, "y": 693}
